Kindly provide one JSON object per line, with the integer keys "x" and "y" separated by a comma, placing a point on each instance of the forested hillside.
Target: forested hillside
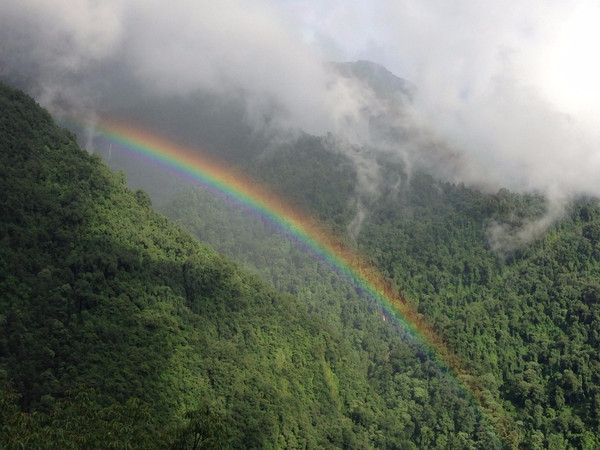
{"x": 525, "y": 321}
{"x": 118, "y": 329}
{"x": 527, "y": 324}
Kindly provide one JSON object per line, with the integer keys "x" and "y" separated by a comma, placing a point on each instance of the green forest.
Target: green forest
{"x": 200, "y": 327}
{"x": 525, "y": 323}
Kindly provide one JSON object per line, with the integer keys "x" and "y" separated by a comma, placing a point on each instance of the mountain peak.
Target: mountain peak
{"x": 383, "y": 82}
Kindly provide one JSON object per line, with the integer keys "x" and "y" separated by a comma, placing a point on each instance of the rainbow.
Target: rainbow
{"x": 298, "y": 226}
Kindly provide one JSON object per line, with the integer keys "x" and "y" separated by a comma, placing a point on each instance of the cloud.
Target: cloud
{"x": 511, "y": 85}
{"x": 73, "y": 48}
{"x": 507, "y": 92}
{"x": 506, "y": 237}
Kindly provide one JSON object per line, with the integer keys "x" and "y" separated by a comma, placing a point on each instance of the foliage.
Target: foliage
{"x": 73, "y": 422}
{"x": 523, "y": 321}
{"x": 112, "y": 319}
{"x": 407, "y": 397}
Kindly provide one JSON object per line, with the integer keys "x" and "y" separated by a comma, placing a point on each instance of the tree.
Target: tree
{"x": 204, "y": 428}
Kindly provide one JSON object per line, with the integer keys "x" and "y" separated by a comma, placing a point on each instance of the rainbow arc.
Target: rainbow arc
{"x": 301, "y": 228}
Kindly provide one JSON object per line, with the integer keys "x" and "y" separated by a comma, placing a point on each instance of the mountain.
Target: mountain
{"x": 119, "y": 329}
{"x": 522, "y": 316}
{"x": 115, "y": 320}
{"x": 383, "y": 82}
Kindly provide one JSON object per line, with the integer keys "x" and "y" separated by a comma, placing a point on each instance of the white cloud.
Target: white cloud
{"x": 510, "y": 84}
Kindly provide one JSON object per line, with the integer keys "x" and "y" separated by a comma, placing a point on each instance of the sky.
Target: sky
{"x": 511, "y": 86}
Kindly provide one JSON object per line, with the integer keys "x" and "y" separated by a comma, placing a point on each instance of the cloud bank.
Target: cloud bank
{"x": 74, "y": 50}
{"x": 510, "y": 86}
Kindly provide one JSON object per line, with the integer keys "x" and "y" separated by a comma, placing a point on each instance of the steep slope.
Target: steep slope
{"x": 419, "y": 399}
{"x": 516, "y": 318}
{"x": 115, "y": 324}
{"x": 524, "y": 322}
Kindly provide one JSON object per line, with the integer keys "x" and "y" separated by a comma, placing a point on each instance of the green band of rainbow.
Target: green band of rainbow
{"x": 300, "y": 227}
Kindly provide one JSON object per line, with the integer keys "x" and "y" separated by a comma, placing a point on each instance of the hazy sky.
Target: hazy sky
{"x": 512, "y": 84}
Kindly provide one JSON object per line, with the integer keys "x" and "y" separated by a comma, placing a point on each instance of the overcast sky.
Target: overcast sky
{"x": 512, "y": 84}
